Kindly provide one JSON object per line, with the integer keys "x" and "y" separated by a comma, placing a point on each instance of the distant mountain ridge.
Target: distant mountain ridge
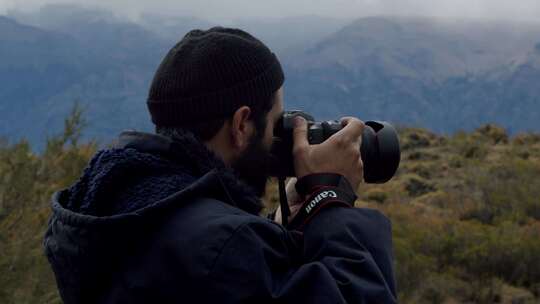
{"x": 106, "y": 68}
{"x": 443, "y": 75}
{"x": 416, "y": 71}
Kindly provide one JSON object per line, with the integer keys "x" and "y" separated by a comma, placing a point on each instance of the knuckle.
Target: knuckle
{"x": 355, "y": 152}
{"x": 352, "y": 119}
{"x": 299, "y": 150}
{"x": 357, "y": 123}
{"x": 299, "y": 131}
{"x": 341, "y": 142}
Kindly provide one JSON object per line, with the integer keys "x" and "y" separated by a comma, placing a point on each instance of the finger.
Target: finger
{"x": 351, "y": 132}
{"x": 291, "y": 182}
{"x": 353, "y": 127}
{"x": 300, "y": 134}
{"x": 277, "y": 217}
{"x": 344, "y": 120}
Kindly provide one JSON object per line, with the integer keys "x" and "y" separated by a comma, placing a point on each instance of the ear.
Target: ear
{"x": 241, "y": 128}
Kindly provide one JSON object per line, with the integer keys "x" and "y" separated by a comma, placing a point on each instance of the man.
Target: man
{"x": 174, "y": 217}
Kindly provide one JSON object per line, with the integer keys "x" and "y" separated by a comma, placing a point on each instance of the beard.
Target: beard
{"x": 252, "y": 166}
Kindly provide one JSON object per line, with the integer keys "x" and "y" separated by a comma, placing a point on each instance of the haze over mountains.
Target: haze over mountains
{"x": 445, "y": 75}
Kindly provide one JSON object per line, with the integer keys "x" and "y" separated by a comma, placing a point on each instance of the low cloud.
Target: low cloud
{"x": 517, "y": 10}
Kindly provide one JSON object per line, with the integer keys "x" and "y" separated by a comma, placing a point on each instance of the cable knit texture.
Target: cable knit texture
{"x": 144, "y": 168}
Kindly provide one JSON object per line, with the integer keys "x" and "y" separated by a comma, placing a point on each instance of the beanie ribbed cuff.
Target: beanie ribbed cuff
{"x": 219, "y": 104}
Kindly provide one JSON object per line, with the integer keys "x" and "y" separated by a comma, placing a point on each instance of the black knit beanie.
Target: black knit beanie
{"x": 210, "y": 74}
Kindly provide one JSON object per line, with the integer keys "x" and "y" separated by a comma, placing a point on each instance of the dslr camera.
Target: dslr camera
{"x": 379, "y": 149}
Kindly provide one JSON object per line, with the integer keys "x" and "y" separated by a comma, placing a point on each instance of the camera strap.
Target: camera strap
{"x": 285, "y": 211}
{"x": 321, "y": 190}
{"x": 322, "y": 198}
{"x": 309, "y": 183}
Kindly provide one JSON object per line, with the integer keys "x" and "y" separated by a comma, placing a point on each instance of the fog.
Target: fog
{"x": 223, "y": 11}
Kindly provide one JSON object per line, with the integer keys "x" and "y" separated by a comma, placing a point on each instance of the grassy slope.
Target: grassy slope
{"x": 466, "y": 216}
{"x": 465, "y": 212}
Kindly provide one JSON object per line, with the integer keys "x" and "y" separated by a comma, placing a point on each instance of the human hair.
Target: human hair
{"x": 207, "y": 129}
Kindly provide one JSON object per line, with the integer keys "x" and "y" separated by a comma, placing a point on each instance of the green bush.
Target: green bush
{"x": 27, "y": 181}
{"x": 377, "y": 196}
{"x": 417, "y": 186}
{"x": 491, "y": 133}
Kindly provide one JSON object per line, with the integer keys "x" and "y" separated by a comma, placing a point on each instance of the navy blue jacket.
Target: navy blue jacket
{"x": 159, "y": 221}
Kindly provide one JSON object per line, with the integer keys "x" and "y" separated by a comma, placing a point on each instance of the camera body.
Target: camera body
{"x": 379, "y": 149}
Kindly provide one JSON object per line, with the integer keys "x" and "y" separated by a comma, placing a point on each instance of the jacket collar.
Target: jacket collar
{"x": 221, "y": 181}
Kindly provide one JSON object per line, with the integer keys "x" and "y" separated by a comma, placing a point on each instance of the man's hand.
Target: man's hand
{"x": 340, "y": 153}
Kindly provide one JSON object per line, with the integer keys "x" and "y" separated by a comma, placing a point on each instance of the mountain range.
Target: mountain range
{"x": 420, "y": 71}
{"x": 446, "y": 75}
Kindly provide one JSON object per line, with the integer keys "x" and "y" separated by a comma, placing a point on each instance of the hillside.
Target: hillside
{"x": 107, "y": 67}
{"x": 34, "y": 66}
{"x": 465, "y": 211}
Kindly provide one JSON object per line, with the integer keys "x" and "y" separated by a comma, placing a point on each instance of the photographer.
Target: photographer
{"x": 173, "y": 217}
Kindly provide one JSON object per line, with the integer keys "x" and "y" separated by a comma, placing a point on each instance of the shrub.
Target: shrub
{"x": 422, "y": 171}
{"x": 417, "y": 138}
{"x": 377, "y": 196}
{"x": 526, "y": 139}
{"x": 469, "y": 146}
{"x": 417, "y": 186}
{"x": 27, "y": 181}
{"x": 422, "y": 155}
{"x": 491, "y": 133}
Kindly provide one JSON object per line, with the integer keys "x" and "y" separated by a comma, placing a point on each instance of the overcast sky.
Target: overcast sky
{"x": 226, "y": 10}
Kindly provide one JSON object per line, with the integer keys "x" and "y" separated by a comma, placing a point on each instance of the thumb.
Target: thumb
{"x": 300, "y": 133}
